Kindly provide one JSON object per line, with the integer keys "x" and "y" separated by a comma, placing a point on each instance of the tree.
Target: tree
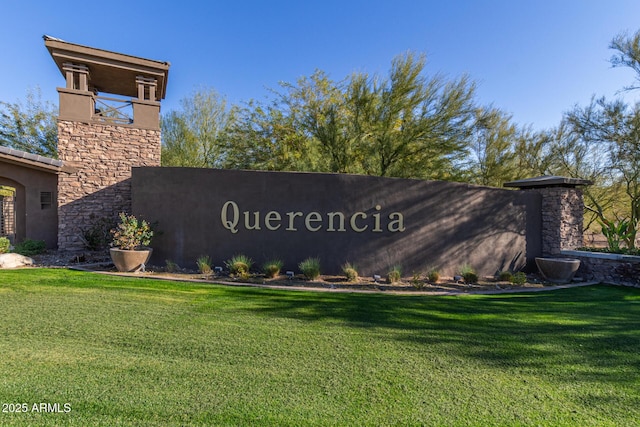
{"x": 412, "y": 126}
{"x": 627, "y": 54}
{"x": 535, "y": 152}
{"x": 265, "y": 138}
{"x": 197, "y": 135}
{"x": 407, "y": 125}
{"x": 493, "y": 155}
{"x": 31, "y": 126}
{"x": 320, "y": 110}
{"x": 614, "y": 128}
{"x": 605, "y": 137}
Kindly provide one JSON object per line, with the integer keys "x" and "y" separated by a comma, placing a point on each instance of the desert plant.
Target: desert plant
{"x": 310, "y": 268}
{"x": 395, "y": 274}
{"x": 239, "y": 265}
{"x": 433, "y": 276}
{"x": 519, "y": 278}
{"x": 5, "y": 244}
{"x": 350, "y": 272}
{"x": 204, "y": 264}
{"x": 272, "y": 268}
{"x": 468, "y": 274}
{"x": 622, "y": 231}
{"x": 170, "y": 266}
{"x": 416, "y": 280}
{"x": 29, "y": 247}
{"x": 130, "y": 233}
{"x": 505, "y": 276}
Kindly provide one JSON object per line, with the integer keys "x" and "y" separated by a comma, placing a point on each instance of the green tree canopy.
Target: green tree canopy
{"x": 493, "y": 159}
{"x": 608, "y": 136}
{"x": 30, "y": 126}
{"x": 627, "y": 54}
{"x": 404, "y": 125}
{"x": 196, "y": 136}
{"x": 602, "y": 143}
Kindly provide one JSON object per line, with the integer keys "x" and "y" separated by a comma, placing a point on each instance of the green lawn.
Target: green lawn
{"x": 124, "y": 351}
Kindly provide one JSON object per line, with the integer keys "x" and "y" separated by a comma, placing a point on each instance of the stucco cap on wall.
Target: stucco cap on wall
{"x": 548, "y": 181}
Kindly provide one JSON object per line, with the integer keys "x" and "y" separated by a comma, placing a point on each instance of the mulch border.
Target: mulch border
{"x": 326, "y": 287}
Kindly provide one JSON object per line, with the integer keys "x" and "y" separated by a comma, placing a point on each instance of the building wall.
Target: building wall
{"x": 101, "y": 156}
{"x": 444, "y": 224}
{"x": 32, "y": 219}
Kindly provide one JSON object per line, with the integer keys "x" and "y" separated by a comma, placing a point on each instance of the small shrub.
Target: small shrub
{"x": 239, "y": 265}
{"x": 395, "y": 274}
{"x": 618, "y": 232}
{"x": 416, "y": 281}
{"x": 5, "y": 244}
{"x": 519, "y": 278}
{"x": 30, "y": 247}
{"x": 310, "y": 268}
{"x": 468, "y": 274}
{"x": 170, "y": 266}
{"x": 505, "y": 276}
{"x": 272, "y": 268}
{"x": 131, "y": 233}
{"x": 350, "y": 272}
{"x": 204, "y": 264}
{"x": 433, "y": 276}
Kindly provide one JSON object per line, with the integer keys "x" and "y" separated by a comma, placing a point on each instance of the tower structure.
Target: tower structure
{"x": 109, "y": 122}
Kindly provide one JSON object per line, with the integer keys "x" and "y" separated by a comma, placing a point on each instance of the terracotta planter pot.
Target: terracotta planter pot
{"x": 558, "y": 270}
{"x": 129, "y": 261}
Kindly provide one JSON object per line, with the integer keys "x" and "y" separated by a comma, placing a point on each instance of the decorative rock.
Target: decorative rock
{"x": 14, "y": 261}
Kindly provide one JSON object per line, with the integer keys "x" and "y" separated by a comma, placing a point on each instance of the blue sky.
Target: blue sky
{"x": 533, "y": 59}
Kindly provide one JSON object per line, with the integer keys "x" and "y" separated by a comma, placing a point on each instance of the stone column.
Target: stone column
{"x": 101, "y": 157}
{"x": 562, "y": 211}
{"x": 562, "y": 219}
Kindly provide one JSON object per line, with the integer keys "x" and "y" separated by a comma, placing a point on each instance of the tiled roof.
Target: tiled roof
{"x": 19, "y": 154}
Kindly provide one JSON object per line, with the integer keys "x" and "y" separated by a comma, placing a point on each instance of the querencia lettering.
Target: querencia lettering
{"x": 234, "y": 219}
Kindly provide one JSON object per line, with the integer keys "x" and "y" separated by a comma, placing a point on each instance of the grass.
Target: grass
{"x": 128, "y": 351}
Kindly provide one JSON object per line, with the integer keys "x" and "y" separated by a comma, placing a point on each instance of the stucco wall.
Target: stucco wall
{"x": 32, "y": 221}
{"x": 444, "y": 224}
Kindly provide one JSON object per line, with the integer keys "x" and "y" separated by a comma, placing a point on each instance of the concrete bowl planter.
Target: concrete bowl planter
{"x": 130, "y": 261}
{"x": 558, "y": 270}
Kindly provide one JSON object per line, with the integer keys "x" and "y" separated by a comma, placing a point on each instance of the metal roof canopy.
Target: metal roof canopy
{"x": 109, "y": 72}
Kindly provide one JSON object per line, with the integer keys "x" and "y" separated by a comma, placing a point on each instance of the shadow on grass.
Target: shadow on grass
{"x": 582, "y": 334}
{"x": 587, "y": 334}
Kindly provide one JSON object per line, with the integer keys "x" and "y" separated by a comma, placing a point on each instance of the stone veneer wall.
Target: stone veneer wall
{"x": 102, "y": 156}
{"x": 607, "y": 268}
{"x": 562, "y": 219}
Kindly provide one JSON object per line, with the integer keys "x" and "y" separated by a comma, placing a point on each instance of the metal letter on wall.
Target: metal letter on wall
{"x": 373, "y": 222}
